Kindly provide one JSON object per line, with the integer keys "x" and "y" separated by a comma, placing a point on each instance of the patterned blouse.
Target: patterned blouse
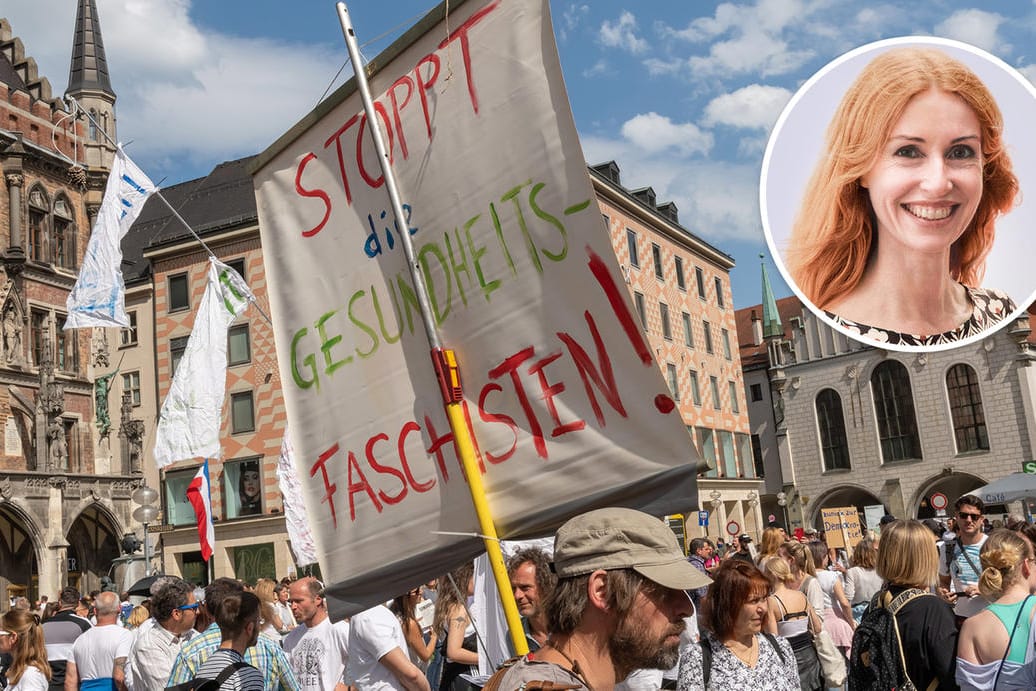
{"x": 729, "y": 672}
{"x": 990, "y": 307}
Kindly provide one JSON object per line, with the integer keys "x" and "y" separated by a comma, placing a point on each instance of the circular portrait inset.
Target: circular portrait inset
{"x": 891, "y": 193}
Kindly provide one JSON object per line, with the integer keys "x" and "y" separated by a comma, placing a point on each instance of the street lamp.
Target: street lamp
{"x": 782, "y": 501}
{"x": 145, "y": 514}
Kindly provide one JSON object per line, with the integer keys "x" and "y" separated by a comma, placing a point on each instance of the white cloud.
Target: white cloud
{"x": 572, "y": 16}
{"x": 718, "y": 201}
{"x": 752, "y": 52}
{"x": 184, "y": 91}
{"x": 756, "y": 106}
{"x": 623, "y": 34}
{"x": 598, "y": 68}
{"x": 657, "y": 67}
{"x": 654, "y": 133}
{"x": 977, "y": 27}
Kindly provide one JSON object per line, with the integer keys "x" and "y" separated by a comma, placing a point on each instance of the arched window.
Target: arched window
{"x": 63, "y": 237}
{"x": 969, "y": 420}
{"x": 92, "y": 125}
{"x": 894, "y": 406}
{"x": 831, "y": 424}
{"x": 39, "y": 210}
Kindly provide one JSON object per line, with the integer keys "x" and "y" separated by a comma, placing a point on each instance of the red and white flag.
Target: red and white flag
{"x": 201, "y": 499}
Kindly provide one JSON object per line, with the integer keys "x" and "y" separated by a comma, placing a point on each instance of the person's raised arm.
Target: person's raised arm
{"x": 414, "y": 638}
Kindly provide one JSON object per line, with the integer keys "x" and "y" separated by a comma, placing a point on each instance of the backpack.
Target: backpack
{"x": 876, "y": 662}
{"x": 210, "y": 684}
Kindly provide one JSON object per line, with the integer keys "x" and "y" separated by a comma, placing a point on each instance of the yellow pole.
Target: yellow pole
{"x": 466, "y": 451}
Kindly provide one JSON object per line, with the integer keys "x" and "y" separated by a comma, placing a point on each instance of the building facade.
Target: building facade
{"x": 680, "y": 287}
{"x": 844, "y": 424}
{"x": 64, "y": 507}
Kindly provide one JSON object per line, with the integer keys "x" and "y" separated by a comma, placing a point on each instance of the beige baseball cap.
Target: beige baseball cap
{"x": 617, "y": 538}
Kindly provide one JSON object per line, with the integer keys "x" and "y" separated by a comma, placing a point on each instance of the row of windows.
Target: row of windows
{"x": 688, "y": 333}
{"x": 242, "y": 490}
{"x": 897, "y": 422}
{"x": 51, "y": 230}
{"x": 730, "y": 454}
{"x": 681, "y": 281}
{"x": 674, "y": 389}
{"x": 179, "y": 289}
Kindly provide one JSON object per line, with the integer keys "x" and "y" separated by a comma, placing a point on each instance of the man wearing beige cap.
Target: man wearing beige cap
{"x": 618, "y": 605}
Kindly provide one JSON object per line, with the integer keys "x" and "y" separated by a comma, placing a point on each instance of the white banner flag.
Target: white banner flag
{"x": 567, "y": 404}
{"x": 192, "y": 411}
{"x": 295, "y": 521}
{"x": 99, "y": 296}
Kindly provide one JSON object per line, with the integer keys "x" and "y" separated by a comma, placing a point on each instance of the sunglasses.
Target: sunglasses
{"x": 969, "y": 516}
{"x": 194, "y": 605}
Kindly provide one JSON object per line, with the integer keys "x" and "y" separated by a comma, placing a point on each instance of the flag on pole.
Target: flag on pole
{"x": 98, "y": 297}
{"x": 188, "y": 426}
{"x": 299, "y": 534}
{"x": 200, "y": 496}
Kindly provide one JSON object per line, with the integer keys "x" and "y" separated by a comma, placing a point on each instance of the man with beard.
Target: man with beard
{"x": 533, "y": 582}
{"x": 618, "y": 605}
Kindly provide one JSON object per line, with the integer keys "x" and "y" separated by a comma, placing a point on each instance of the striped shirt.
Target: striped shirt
{"x": 265, "y": 655}
{"x": 244, "y": 679}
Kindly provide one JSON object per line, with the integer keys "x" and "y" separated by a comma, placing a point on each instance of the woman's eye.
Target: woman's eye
{"x": 908, "y": 152}
{"x": 960, "y": 152}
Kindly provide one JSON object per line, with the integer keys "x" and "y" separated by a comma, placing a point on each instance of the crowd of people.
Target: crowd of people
{"x": 616, "y": 605}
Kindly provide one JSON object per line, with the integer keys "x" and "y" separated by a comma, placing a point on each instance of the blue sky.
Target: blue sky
{"x": 682, "y": 95}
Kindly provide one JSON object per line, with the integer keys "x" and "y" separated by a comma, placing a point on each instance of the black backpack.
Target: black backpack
{"x": 876, "y": 662}
{"x": 209, "y": 684}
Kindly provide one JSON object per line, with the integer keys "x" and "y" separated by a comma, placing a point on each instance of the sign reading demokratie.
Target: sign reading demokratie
{"x": 568, "y": 408}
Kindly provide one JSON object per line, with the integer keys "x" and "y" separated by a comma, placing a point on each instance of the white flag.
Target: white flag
{"x": 295, "y": 521}
{"x": 99, "y": 296}
{"x": 191, "y": 413}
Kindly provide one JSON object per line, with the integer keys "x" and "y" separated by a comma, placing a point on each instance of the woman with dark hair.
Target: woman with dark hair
{"x": 249, "y": 489}
{"x": 734, "y": 653}
{"x": 421, "y": 651}
{"x": 22, "y": 638}
{"x": 457, "y": 644}
{"x": 899, "y": 216}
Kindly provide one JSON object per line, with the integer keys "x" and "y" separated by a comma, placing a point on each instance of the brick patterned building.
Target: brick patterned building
{"x": 63, "y": 510}
{"x": 680, "y": 286}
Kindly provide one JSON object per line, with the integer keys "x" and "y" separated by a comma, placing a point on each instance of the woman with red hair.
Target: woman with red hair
{"x": 893, "y": 233}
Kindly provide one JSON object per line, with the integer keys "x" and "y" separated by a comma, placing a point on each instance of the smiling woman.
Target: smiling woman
{"x": 893, "y": 233}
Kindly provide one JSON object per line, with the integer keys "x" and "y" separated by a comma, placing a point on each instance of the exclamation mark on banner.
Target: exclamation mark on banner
{"x": 628, "y": 320}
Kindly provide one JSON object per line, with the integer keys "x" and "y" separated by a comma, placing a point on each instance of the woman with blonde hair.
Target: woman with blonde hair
{"x": 803, "y": 572}
{"x": 861, "y": 580}
{"x": 899, "y": 216}
{"x": 770, "y": 543}
{"x": 995, "y": 649}
{"x": 269, "y": 620}
{"x": 457, "y": 644}
{"x": 908, "y": 561}
{"x": 790, "y": 616}
{"x": 22, "y": 638}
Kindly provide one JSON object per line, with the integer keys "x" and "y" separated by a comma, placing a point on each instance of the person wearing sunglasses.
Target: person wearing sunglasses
{"x": 173, "y": 612}
{"x": 959, "y": 568}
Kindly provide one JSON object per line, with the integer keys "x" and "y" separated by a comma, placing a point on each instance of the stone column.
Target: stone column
{"x": 14, "y": 191}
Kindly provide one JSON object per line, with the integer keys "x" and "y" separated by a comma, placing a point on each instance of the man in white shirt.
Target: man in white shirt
{"x": 317, "y": 650}
{"x": 378, "y": 660}
{"x": 174, "y": 609}
{"x": 959, "y": 566}
{"x": 101, "y": 652}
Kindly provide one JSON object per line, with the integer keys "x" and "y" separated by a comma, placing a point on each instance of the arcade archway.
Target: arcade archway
{"x": 19, "y": 552}
{"x": 93, "y": 542}
{"x": 950, "y": 485}
{"x": 846, "y": 495}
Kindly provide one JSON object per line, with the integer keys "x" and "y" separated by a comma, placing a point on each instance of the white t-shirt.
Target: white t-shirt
{"x": 32, "y": 680}
{"x": 373, "y": 634}
{"x": 96, "y": 650}
{"x": 318, "y": 655}
{"x": 962, "y": 575}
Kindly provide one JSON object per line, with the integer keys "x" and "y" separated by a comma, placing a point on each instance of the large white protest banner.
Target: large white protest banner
{"x": 566, "y": 403}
